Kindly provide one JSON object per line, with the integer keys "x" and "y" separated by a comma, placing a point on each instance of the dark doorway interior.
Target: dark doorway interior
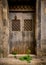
{"x": 23, "y": 15}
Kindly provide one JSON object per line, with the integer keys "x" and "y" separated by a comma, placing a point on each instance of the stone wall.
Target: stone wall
{"x": 4, "y": 27}
{"x": 43, "y": 26}
{"x": 1, "y": 28}
{"x": 38, "y": 27}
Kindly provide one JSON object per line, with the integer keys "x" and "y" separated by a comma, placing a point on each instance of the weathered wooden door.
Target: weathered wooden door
{"x": 22, "y": 32}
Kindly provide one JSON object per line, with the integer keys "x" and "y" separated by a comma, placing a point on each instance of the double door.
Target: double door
{"x": 22, "y": 32}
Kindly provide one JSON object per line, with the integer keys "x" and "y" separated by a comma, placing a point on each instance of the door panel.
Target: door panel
{"x": 22, "y": 32}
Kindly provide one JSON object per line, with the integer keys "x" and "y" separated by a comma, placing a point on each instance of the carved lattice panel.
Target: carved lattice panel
{"x": 27, "y": 25}
{"x": 16, "y": 25}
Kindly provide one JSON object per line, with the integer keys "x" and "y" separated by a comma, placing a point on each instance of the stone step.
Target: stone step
{"x": 13, "y": 61}
{"x": 20, "y": 55}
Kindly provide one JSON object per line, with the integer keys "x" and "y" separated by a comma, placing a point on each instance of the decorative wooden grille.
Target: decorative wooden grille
{"x": 27, "y": 25}
{"x": 16, "y": 24}
{"x": 21, "y": 8}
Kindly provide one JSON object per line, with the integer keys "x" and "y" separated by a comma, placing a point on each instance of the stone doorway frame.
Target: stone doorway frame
{"x": 38, "y": 27}
{"x": 4, "y": 41}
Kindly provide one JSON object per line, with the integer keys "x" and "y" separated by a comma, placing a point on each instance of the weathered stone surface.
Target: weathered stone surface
{"x": 4, "y": 28}
{"x": 9, "y": 61}
{"x": 1, "y": 28}
{"x": 38, "y": 26}
{"x": 43, "y": 27}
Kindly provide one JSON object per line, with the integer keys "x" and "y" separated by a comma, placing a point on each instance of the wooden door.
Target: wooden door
{"x": 22, "y": 32}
